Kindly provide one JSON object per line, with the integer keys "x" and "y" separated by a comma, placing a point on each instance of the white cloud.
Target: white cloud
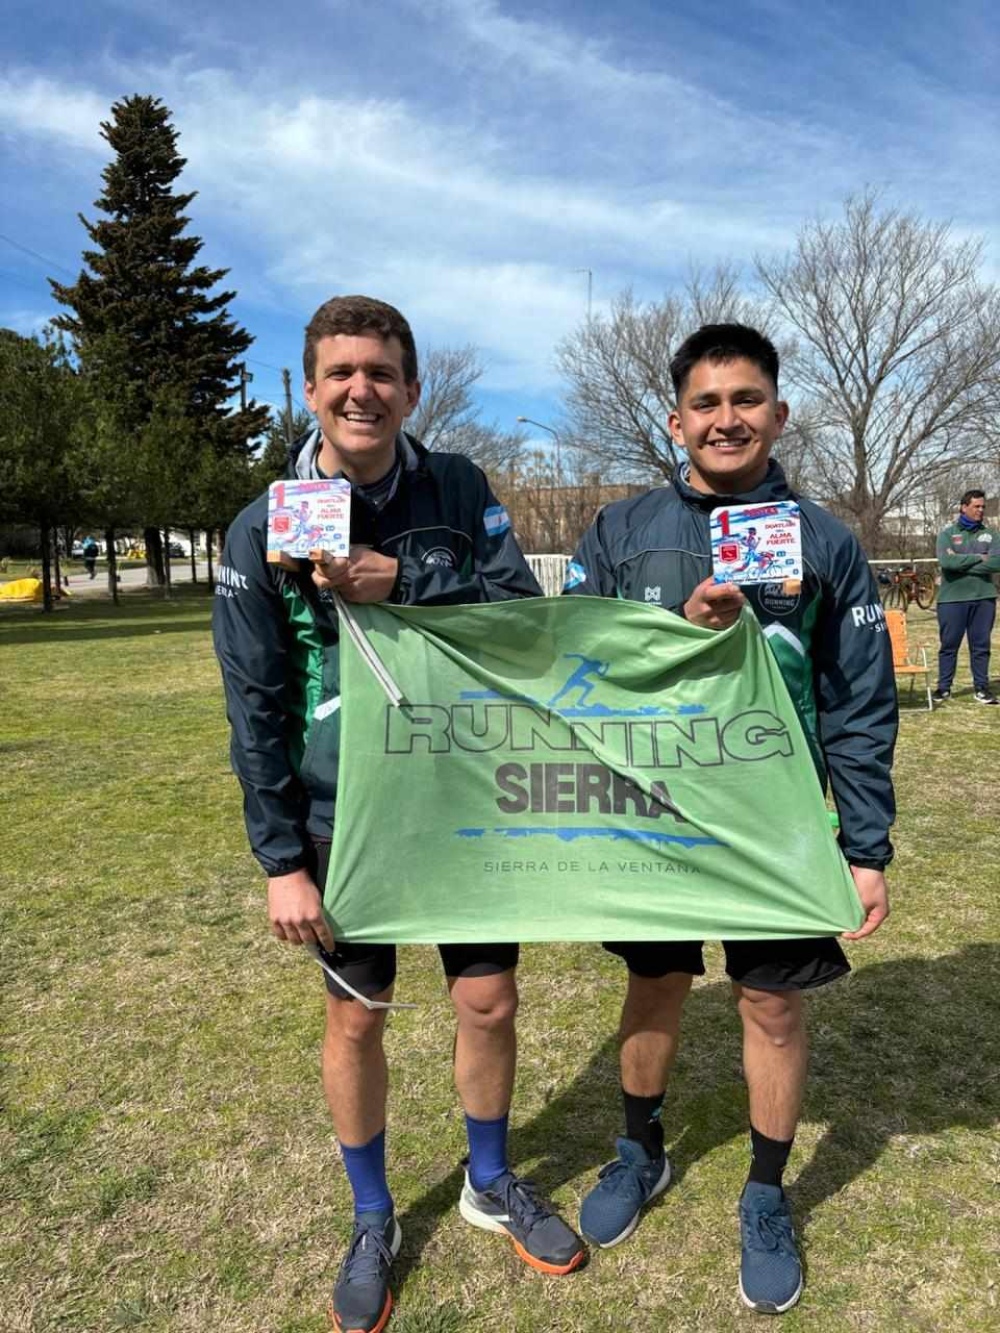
{"x": 528, "y": 150}
{"x": 24, "y": 320}
{"x": 34, "y": 105}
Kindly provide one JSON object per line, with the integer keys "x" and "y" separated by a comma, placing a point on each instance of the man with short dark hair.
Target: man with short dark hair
{"x": 425, "y": 528}
{"x": 969, "y": 555}
{"x": 830, "y": 642}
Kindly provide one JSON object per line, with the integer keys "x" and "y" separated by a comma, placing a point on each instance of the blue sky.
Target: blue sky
{"x": 464, "y": 159}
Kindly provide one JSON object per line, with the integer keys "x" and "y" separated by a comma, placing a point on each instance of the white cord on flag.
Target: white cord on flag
{"x": 313, "y": 951}
{"x": 368, "y": 653}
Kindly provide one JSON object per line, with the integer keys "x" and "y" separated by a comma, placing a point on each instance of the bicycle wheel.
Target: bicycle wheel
{"x": 925, "y": 590}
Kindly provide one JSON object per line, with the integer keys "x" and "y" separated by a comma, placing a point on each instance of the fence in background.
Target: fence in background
{"x": 550, "y": 571}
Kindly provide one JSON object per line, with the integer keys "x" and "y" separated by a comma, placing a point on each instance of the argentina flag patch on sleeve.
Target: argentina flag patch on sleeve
{"x": 496, "y": 520}
{"x": 575, "y": 575}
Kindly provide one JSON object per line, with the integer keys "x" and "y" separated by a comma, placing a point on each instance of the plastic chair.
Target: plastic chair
{"x": 903, "y": 663}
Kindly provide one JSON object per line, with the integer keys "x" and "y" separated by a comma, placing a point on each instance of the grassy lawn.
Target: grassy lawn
{"x": 166, "y": 1162}
{"x": 22, "y": 569}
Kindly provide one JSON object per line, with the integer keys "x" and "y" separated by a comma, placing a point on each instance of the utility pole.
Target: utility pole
{"x": 286, "y": 379}
{"x": 590, "y": 290}
{"x": 245, "y": 378}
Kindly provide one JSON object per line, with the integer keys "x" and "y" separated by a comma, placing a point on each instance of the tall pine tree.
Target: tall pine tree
{"x": 144, "y": 320}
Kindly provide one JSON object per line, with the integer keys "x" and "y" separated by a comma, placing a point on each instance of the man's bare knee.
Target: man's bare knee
{"x": 485, "y": 1003}
{"x": 349, "y": 1023}
{"x": 775, "y": 1015}
{"x": 654, "y": 999}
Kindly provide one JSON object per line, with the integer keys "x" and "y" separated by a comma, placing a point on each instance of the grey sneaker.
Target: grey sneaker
{"x": 513, "y": 1207}
{"x": 610, "y": 1212}
{"x": 362, "y": 1301}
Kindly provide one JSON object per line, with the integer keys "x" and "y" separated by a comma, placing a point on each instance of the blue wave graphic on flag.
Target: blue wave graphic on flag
{"x": 595, "y": 710}
{"x": 573, "y": 834}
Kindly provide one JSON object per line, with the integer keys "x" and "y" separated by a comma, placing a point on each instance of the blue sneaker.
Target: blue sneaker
{"x": 362, "y": 1301}
{"x": 610, "y": 1212}
{"x": 770, "y": 1270}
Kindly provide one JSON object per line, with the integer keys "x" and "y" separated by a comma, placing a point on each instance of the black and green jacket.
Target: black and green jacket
{"x": 276, "y": 635}
{"x": 830, "y": 639}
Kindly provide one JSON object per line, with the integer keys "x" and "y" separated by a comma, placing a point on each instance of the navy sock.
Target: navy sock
{"x": 487, "y": 1150}
{"x": 768, "y": 1158}
{"x": 366, "y": 1171}
{"x": 642, "y": 1121}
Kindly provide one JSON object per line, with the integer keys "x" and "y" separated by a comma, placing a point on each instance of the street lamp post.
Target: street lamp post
{"x": 530, "y": 421}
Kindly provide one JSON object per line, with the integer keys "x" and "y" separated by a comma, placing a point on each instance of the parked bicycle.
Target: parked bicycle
{"x": 899, "y": 587}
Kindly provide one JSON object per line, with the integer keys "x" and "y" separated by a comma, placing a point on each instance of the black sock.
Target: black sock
{"x": 767, "y": 1158}
{"x": 642, "y": 1121}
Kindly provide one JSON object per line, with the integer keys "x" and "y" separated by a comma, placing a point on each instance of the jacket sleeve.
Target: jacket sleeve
{"x": 497, "y": 572}
{"x": 991, "y": 565}
{"x": 957, "y": 562}
{"x": 857, "y": 709}
{"x": 590, "y": 573}
{"x": 252, "y": 641}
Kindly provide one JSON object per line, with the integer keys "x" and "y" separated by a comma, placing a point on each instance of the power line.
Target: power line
{"x": 7, "y": 276}
{"x": 35, "y": 255}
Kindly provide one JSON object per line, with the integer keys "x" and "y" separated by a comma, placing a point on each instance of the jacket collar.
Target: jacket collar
{"x": 774, "y": 486}
{"x": 303, "y": 452}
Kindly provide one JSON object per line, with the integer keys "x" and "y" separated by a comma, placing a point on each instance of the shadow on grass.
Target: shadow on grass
{"x": 138, "y": 614}
{"x": 910, "y": 1047}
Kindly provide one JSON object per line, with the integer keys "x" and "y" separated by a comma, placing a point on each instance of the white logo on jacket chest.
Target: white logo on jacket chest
{"x": 440, "y": 555}
{"x": 653, "y": 595}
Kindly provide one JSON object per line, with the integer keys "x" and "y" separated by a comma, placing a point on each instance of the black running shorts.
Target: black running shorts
{"x": 760, "y": 964}
{"x": 371, "y": 968}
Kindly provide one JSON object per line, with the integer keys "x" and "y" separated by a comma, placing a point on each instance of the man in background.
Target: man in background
{"x": 969, "y": 555}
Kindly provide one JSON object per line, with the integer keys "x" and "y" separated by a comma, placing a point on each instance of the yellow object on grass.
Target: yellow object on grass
{"x": 27, "y": 590}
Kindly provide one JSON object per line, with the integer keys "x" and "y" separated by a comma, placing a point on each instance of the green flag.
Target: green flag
{"x": 575, "y": 769}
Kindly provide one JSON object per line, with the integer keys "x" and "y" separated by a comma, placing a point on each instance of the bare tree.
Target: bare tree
{"x": 617, "y": 368}
{"x": 551, "y": 506}
{"x": 897, "y": 358}
{"x": 447, "y": 417}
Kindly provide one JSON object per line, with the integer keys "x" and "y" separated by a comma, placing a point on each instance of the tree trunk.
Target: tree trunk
{"x": 46, "y": 567}
{"x": 208, "y": 546}
{"x": 109, "y": 546}
{"x": 166, "y": 563}
{"x": 194, "y": 558}
{"x": 154, "y": 557}
{"x": 57, "y": 568}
